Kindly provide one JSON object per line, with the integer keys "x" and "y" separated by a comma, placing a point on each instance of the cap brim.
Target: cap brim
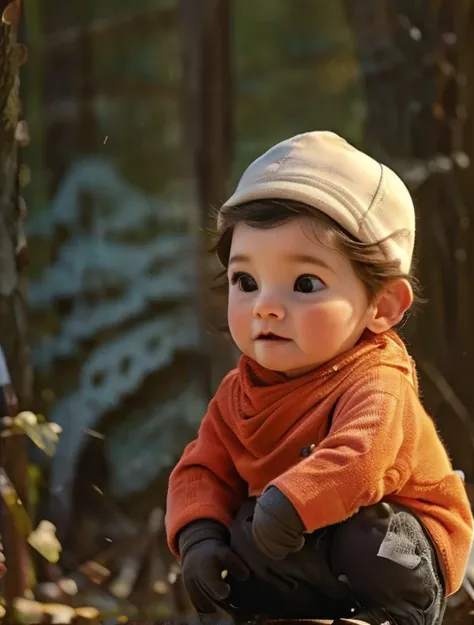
{"x": 338, "y": 209}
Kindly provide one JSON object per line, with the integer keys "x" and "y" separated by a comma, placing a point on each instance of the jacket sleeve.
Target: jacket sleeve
{"x": 205, "y": 483}
{"x": 366, "y": 455}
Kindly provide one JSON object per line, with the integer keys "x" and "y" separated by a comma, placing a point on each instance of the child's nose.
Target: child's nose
{"x": 268, "y": 307}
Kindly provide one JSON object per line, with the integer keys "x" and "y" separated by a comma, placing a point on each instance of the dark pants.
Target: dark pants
{"x": 381, "y": 559}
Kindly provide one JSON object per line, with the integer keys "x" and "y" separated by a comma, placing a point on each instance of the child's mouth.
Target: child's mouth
{"x": 271, "y": 337}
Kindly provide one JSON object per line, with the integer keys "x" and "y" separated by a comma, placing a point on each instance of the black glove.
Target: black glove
{"x": 205, "y": 555}
{"x": 277, "y": 528}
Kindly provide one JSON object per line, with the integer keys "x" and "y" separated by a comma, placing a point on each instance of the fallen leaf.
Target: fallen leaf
{"x": 12, "y": 13}
{"x": 88, "y": 613}
{"x": 44, "y": 540}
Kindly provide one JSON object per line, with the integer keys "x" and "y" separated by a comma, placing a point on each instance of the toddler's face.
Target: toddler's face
{"x": 294, "y": 303}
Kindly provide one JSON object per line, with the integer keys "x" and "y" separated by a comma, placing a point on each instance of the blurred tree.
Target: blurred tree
{"x": 13, "y": 269}
{"x": 415, "y": 60}
{"x": 208, "y": 114}
{"x": 114, "y": 335}
{"x": 295, "y": 69}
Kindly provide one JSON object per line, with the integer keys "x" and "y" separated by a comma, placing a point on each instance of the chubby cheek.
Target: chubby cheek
{"x": 326, "y": 326}
{"x": 239, "y": 318}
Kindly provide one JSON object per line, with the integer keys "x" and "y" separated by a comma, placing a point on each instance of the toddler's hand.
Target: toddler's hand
{"x": 277, "y": 528}
{"x": 205, "y": 556}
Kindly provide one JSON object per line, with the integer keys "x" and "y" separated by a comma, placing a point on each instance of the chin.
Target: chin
{"x": 291, "y": 371}
{"x": 270, "y": 363}
{"x": 275, "y": 368}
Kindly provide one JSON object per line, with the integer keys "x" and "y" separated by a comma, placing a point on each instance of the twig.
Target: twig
{"x": 449, "y": 396}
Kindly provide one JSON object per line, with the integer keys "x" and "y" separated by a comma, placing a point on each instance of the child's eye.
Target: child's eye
{"x": 308, "y": 284}
{"x": 244, "y": 281}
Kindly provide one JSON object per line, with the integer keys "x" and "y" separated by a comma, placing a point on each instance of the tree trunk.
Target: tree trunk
{"x": 13, "y": 273}
{"x": 416, "y": 61}
{"x": 208, "y": 121}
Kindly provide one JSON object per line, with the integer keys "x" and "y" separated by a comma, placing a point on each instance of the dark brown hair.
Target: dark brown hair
{"x": 368, "y": 260}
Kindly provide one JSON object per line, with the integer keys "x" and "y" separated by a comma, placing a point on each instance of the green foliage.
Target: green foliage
{"x": 296, "y": 70}
{"x": 45, "y": 436}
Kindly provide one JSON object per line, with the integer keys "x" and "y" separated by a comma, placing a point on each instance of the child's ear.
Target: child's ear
{"x": 390, "y": 305}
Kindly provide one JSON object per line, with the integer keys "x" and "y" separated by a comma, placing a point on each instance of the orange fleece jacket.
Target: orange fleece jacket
{"x": 381, "y": 445}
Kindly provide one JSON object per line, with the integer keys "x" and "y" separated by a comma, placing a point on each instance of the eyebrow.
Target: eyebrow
{"x": 308, "y": 259}
{"x": 239, "y": 258}
{"x": 297, "y": 258}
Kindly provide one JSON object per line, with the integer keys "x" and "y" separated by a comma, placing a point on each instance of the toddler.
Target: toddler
{"x": 317, "y": 486}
